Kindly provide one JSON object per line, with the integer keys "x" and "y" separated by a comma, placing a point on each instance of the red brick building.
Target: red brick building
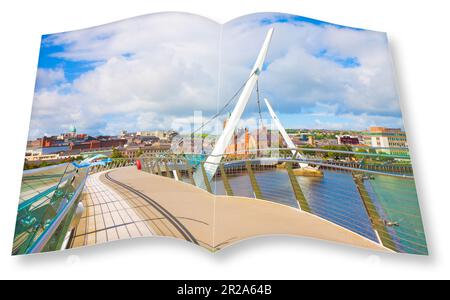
{"x": 97, "y": 144}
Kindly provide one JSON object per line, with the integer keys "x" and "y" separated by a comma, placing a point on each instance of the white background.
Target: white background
{"x": 420, "y": 43}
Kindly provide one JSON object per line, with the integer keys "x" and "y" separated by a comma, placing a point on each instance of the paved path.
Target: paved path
{"x": 110, "y": 214}
{"x": 125, "y": 202}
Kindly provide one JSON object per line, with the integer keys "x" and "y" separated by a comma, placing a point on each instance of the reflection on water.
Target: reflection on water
{"x": 335, "y": 197}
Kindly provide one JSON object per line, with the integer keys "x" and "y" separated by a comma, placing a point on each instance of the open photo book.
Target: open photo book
{"x": 173, "y": 125}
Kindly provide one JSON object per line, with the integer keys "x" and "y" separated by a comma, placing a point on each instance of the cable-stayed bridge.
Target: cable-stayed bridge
{"x": 368, "y": 196}
{"x": 362, "y": 198}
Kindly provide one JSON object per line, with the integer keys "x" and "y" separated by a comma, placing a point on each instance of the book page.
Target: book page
{"x": 107, "y": 99}
{"x": 172, "y": 125}
{"x": 320, "y": 148}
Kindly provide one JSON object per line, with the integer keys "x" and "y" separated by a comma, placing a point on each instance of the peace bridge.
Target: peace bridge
{"x": 362, "y": 198}
{"x": 252, "y": 194}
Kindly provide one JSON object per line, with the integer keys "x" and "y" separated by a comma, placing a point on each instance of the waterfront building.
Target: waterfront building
{"x": 383, "y": 137}
{"x": 49, "y": 157}
{"x": 46, "y": 150}
{"x": 98, "y": 144}
{"x": 135, "y": 151}
{"x": 347, "y": 140}
{"x": 245, "y": 140}
{"x": 41, "y": 142}
{"x": 161, "y": 134}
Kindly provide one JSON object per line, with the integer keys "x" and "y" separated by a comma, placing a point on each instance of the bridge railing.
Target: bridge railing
{"x": 50, "y": 207}
{"x": 113, "y": 164}
{"x": 48, "y": 198}
{"x": 368, "y": 192}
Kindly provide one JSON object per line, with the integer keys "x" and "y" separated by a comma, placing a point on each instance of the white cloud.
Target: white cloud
{"x": 154, "y": 71}
{"x": 298, "y": 78}
{"x": 150, "y": 70}
{"x": 48, "y": 78}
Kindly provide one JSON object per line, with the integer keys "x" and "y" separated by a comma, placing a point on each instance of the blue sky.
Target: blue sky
{"x": 152, "y": 72}
{"x": 287, "y": 18}
{"x": 48, "y": 59}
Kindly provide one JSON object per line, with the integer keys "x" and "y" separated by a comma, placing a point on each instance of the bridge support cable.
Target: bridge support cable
{"x": 226, "y": 183}
{"x": 216, "y": 115}
{"x": 253, "y": 181}
{"x": 166, "y": 167}
{"x": 176, "y": 171}
{"x": 380, "y": 229}
{"x": 158, "y": 167}
{"x": 189, "y": 172}
{"x": 290, "y": 144}
{"x": 213, "y": 160}
{"x": 260, "y": 123}
{"x": 303, "y": 203}
{"x": 206, "y": 183}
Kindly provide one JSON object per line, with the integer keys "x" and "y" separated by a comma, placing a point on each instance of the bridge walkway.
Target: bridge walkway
{"x": 125, "y": 202}
{"x": 113, "y": 213}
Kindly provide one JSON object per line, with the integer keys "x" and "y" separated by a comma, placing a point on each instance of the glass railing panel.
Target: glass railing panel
{"x": 335, "y": 198}
{"x": 39, "y": 180}
{"x": 367, "y": 190}
{"x": 45, "y": 193}
{"x": 397, "y": 201}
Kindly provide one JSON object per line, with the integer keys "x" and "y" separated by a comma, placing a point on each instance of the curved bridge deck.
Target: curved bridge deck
{"x": 124, "y": 203}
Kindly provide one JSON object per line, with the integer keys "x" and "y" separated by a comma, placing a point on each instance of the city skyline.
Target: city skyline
{"x": 317, "y": 75}
{"x": 136, "y": 132}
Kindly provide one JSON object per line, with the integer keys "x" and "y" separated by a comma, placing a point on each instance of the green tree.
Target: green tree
{"x": 116, "y": 153}
{"x": 360, "y": 150}
{"x": 139, "y": 153}
{"x": 337, "y": 155}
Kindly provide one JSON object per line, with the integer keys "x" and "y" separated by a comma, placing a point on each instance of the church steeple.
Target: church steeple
{"x": 73, "y": 129}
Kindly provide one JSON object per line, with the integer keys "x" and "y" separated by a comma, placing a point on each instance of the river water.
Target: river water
{"x": 335, "y": 197}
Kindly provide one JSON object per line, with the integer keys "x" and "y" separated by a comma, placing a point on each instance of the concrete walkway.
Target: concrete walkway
{"x": 110, "y": 214}
{"x": 214, "y": 221}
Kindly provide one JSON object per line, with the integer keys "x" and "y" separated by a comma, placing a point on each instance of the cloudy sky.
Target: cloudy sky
{"x": 154, "y": 71}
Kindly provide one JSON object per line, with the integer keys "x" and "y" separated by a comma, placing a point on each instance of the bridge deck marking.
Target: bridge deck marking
{"x": 236, "y": 218}
{"x": 109, "y": 215}
{"x": 173, "y": 220}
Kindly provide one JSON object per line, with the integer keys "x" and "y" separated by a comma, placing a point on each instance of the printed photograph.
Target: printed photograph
{"x": 173, "y": 125}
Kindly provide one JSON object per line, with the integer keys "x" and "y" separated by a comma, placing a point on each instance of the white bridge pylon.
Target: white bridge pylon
{"x": 290, "y": 144}
{"x": 213, "y": 160}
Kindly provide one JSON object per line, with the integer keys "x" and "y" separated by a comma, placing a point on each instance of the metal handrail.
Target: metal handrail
{"x": 64, "y": 212}
{"x": 236, "y": 157}
{"x": 50, "y": 230}
{"x": 371, "y": 216}
{"x": 243, "y": 152}
{"x": 327, "y": 165}
{"x": 31, "y": 171}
